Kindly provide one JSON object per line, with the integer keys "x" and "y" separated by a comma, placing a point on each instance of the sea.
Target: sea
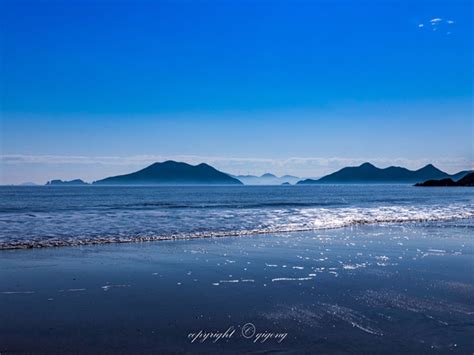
{"x": 50, "y": 216}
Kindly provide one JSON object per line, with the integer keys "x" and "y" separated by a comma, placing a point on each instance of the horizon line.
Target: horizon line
{"x": 144, "y": 161}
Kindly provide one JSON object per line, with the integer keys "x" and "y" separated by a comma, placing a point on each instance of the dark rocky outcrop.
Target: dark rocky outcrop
{"x": 467, "y": 180}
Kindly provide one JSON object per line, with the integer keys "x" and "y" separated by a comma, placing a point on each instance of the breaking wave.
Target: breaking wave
{"x": 48, "y": 229}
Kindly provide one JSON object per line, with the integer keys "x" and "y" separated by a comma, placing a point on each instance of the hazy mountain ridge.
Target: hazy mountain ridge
{"x": 267, "y": 179}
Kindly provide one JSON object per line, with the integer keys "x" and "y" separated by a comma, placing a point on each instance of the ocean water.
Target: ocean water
{"x": 67, "y": 216}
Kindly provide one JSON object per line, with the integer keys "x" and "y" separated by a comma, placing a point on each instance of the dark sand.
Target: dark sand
{"x": 390, "y": 289}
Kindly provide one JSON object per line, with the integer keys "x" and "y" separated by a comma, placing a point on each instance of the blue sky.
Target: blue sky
{"x": 93, "y": 88}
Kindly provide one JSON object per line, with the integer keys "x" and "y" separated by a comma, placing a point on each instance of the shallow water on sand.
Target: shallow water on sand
{"x": 375, "y": 288}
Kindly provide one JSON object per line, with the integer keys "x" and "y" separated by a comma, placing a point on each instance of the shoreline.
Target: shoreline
{"x": 208, "y": 235}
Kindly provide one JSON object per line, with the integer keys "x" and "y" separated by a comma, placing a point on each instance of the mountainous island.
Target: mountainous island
{"x": 467, "y": 180}
{"x": 368, "y": 173}
{"x": 172, "y": 173}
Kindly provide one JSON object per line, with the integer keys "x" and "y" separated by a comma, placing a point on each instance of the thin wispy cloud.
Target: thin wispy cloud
{"x": 145, "y": 159}
{"x": 438, "y": 23}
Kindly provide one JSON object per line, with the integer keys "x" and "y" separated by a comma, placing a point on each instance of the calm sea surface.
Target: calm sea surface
{"x": 62, "y": 216}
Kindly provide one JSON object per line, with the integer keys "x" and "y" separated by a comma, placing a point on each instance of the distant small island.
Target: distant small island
{"x": 28, "y": 184}
{"x": 75, "y": 182}
{"x": 172, "y": 173}
{"x": 467, "y": 180}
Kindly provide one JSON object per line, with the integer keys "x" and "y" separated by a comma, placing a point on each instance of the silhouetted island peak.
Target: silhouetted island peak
{"x": 369, "y": 173}
{"x": 172, "y": 172}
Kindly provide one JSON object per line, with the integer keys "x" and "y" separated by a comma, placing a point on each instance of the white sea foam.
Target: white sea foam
{"x": 228, "y": 281}
{"x": 353, "y": 266}
{"x": 108, "y": 287}
{"x": 244, "y": 222}
{"x": 292, "y": 279}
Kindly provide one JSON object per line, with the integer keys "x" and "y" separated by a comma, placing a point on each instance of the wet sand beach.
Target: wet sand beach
{"x": 378, "y": 288}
